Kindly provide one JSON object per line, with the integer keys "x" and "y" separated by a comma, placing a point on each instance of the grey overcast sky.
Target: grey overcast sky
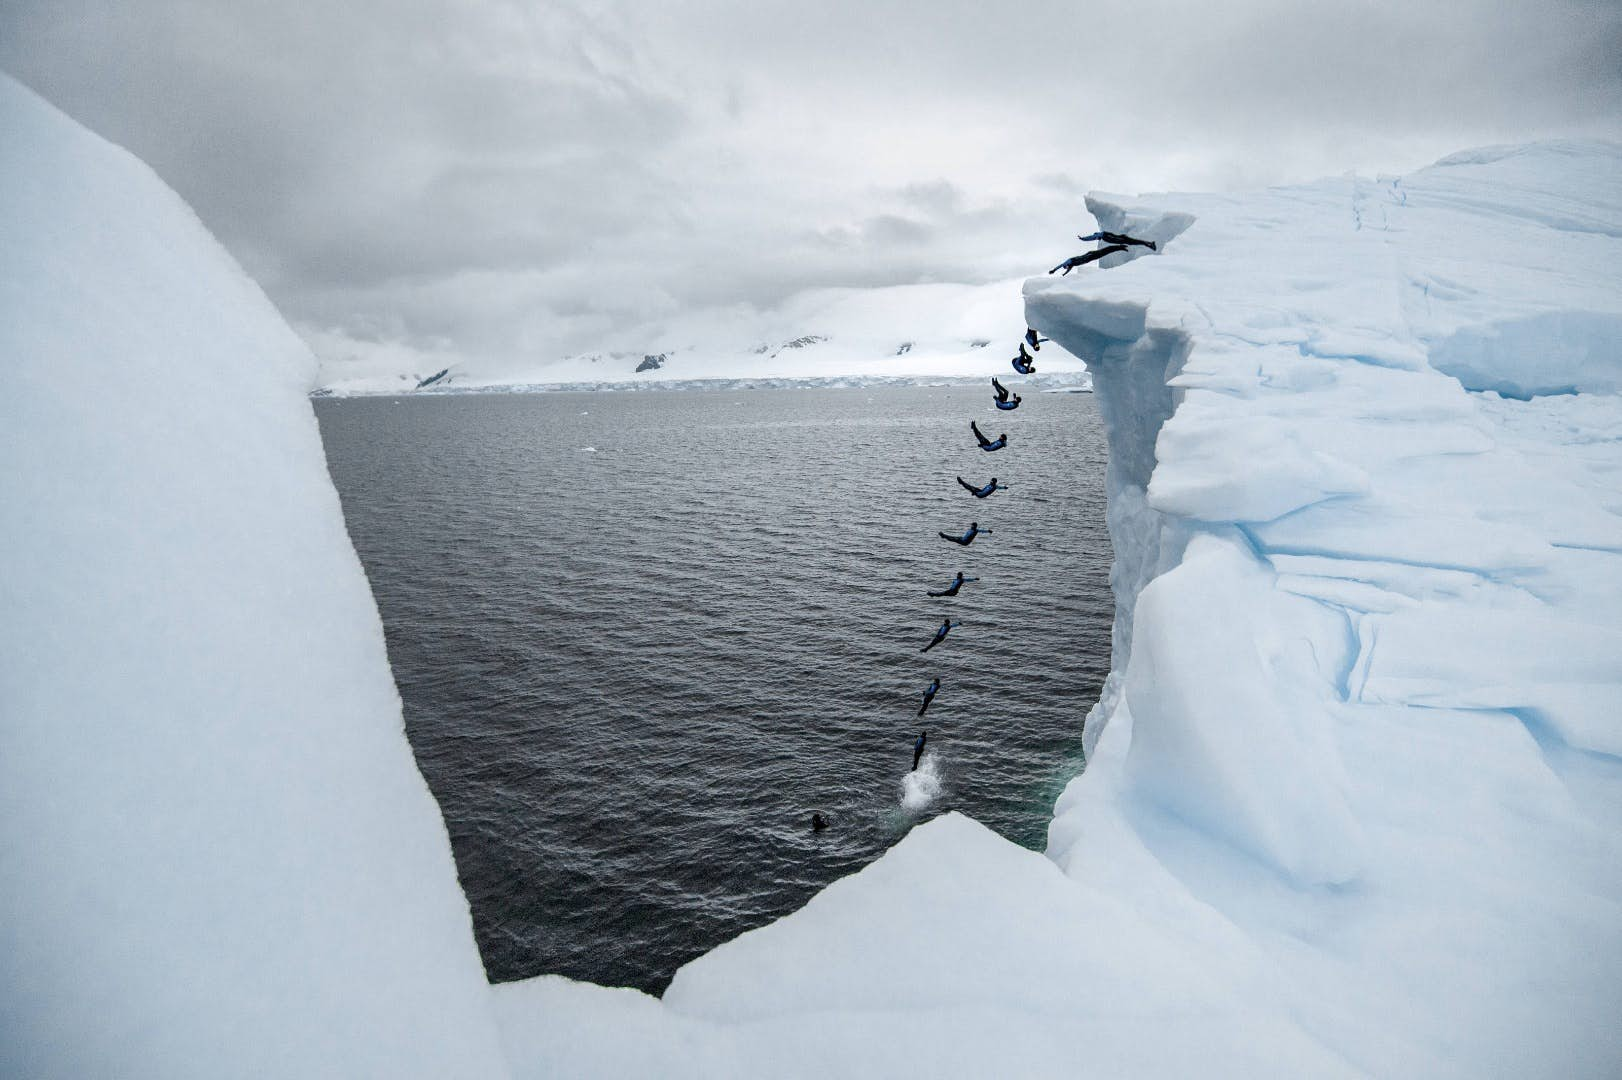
{"x": 515, "y": 179}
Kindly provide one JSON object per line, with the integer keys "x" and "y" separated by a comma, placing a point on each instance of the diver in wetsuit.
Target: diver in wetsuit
{"x": 986, "y": 444}
{"x": 929, "y": 694}
{"x": 968, "y": 537}
{"x": 1024, "y": 363}
{"x": 918, "y": 749}
{"x": 946, "y": 627}
{"x": 957, "y": 583}
{"x": 818, "y": 822}
{"x": 1118, "y": 238}
{"x": 1082, "y": 260}
{"x": 1032, "y": 340}
{"x": 1010, "y": 405}
{"x": 982, "y": 492}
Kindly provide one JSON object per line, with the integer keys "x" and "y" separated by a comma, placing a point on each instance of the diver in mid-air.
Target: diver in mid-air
{"x": 1082, "y": 260}
{"x": 982, "y": 492}
{"x": 986, "y": 444}
{"x": 1003, "y": 401}
{"x": 918, "y": 749}
{"x": 968, "y": 537}
{"x": 1032, "y": 340}
{"x": 1118, "y": 238}
{"x": 929, "y": 694}
{"x": 1024, "y": 363}
{"x": 946, "y": 627}
{"x": 957, "y": 583}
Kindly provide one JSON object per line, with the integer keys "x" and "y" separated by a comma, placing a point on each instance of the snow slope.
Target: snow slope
{"x": 1354, "y": 797}
{"x": 217, "y": 857}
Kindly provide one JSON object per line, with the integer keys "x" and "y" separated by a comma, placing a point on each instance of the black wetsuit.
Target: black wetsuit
{"x": 945, "y": 628}
{"x": 1082, "y": 260}
{"x": 818, "y": 823}
{"x": 929, "y": 695}
{"x": 985, "y": 443}
{"x": 1033, "y": 340}
{"x": 957, "y": 583}
{"x": 999, "y": 388}
{"x": 982, "y": 492}
{"x": 918, "y": 749}
{"x": 1025, "y": 363}
{"x": 1010, "y": 405}
{"x": 968, "y": 537}
{"x": 1118, "y": 238}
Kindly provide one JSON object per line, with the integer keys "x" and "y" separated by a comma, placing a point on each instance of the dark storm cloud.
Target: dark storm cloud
{"x": 512, "y": 178}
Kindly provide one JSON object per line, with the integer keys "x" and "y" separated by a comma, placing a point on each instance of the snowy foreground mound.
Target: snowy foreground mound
{"x": 1354, "y": 797}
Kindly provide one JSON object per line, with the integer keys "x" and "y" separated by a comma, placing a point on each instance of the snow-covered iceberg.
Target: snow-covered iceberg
{"x": 1354, "y": 797}
{"x": 217, "y": 857}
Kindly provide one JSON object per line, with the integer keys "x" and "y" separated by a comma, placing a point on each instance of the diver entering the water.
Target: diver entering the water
{"x": 929, "y": 694}
{"x": 957, "y": 582}
{"x": 968, "y": 537}
{"x": 986, "y": 444}
{"x": 1082, "y": 260}
{"x": 982, "y": 492}
{"x": 1024, "y": 363}
{"x": 1032, "y": 340}
{"x": 918, "y": 749}
{"x": 1118, "y": 238}
{"x": 946, "y": 627}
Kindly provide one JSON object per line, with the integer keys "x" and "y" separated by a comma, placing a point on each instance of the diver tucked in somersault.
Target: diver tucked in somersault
{"x": 957, "y": 583}
{"x": 929, "y": 694}
{"x": 918, "y": 749}
{"x": 1082, "y": 260}
{"x": 1025, "y": 363}
{"x": 988, "y": 444}
{"x": 1008, "y": 404}
{"x": 1032, "y": 340}
{"x": 968, "y": 537}
{"x": 946, "y": 627}
{"x": 1117, "y": 238}
{"x": 982, "y": 492}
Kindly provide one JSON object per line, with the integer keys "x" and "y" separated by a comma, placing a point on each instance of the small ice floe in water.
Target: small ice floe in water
{"x": 588, "y": 449}
{"x": 921, "y": 786}
{"x": 585, "y": 412}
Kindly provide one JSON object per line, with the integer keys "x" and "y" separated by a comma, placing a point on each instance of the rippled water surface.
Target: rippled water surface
{"x": 640, "y": 637}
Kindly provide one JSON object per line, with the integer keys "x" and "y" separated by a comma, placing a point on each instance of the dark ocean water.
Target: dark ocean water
{"x": 640, "y": 637}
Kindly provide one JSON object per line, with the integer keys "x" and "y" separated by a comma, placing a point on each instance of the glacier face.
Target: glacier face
{"x": 1367, "y": 701}
{"x": 1354, "y": 791}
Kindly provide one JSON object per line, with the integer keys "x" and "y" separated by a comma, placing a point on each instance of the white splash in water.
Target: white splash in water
{"x": 922, "y": 786}
{"x": 588, "y": 449}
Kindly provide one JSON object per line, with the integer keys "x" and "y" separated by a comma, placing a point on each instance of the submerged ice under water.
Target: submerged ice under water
{"x": 639, "y": 643}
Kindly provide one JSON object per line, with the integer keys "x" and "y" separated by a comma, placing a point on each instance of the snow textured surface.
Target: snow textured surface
{"x": 217, "y": 857}
{"x": 1354, "y": 797}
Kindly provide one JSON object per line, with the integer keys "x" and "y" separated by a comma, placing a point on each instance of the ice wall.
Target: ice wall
{"x": 1367, "y": 703}
{"x": 217, "y": 857}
